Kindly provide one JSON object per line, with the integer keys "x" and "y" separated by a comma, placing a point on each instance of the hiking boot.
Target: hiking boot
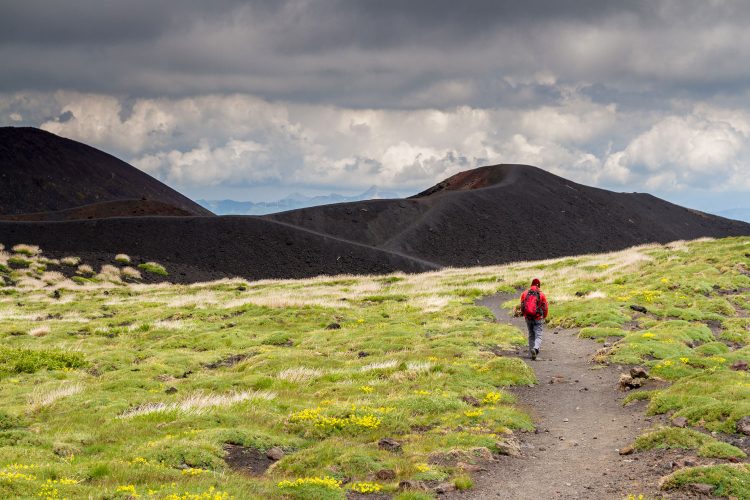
{"x": 533, "y": 352}
{"x": 536, "y": 353}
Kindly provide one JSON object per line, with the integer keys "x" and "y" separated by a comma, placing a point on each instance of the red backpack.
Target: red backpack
{"x": 532, "y": 304}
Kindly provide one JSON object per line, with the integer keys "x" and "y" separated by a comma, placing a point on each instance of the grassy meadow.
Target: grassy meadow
{"x": 116, "y": 389}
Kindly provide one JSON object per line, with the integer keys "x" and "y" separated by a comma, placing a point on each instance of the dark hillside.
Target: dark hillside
{"x": 505, "y": 213}
{"x": 211, "y": 247}
{"x": 41, "y": 172}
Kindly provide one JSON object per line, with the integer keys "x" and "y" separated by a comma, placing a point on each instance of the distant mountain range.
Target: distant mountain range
{"x": 291, "y": 202}
{"x": 742, "y": 214}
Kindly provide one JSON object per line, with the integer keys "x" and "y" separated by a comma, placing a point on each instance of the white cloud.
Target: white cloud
{"x": 706, "y": 148}
{"x": 241, "y": 140}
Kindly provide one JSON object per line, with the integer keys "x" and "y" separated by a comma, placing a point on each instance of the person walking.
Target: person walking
{"x": 534, "y": 308}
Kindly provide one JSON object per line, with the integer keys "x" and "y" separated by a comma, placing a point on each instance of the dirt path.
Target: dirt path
{"x": 581, "y": 424}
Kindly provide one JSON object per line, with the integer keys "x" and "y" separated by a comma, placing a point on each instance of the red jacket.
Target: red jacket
{"x": 545, "y": 307}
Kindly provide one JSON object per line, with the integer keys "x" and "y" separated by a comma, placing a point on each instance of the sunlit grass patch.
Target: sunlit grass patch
{"x": 153, "y": 268}
{"x": 731, "y": 480}
{"x": 674, "y": 437}
{"x": 197, "y": 403}
{"x": 42, "y": 397}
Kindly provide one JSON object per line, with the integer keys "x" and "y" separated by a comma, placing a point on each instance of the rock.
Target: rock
{"x": 680, "y": 422}
{"x": 170, "y": 390}
{"x": 701, "y": 488}
{"x": 743, "y": 425}
{"x": 638, "y": 308}
{"x": 740, "y": 365}
{"x": 412, "y": 485}
{"x": 386, "y": 474}
{"x": 443, "y": 488}
{"x": 627, "y": 450}
{"x": 275, "y": 453}
{"x": 471, "y": 400}
{"x": 470, "y": 467}
{"x": 509, "y": 447}
{"x": 362, "y": 354}
{"x": 333, "y": 326}
{"x": 627, "y": 382}
{"x": 389, "y": 444}
{"x": 638, "y": 372}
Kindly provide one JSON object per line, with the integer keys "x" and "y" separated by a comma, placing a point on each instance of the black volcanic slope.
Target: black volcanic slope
{"x": 41, "y": 172}
{"x": 212, "y": 247}
{"x": 506, "y": 213}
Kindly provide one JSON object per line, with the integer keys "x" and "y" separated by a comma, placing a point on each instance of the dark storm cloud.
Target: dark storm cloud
{"x": 373, "y": 53}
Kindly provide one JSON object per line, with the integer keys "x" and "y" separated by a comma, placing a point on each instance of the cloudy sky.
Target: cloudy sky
{"x": 254, "y": 100}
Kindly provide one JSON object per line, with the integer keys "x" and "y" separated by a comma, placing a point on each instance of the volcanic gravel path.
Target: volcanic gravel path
{"x": 581, "y": 425}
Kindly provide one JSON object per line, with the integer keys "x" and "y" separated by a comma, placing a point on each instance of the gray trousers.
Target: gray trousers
{"x": 535, "y": 332}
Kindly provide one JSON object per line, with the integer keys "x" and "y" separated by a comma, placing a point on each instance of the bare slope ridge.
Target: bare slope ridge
{"x": 505, "y": 213}
{"x": 211, "y": 247}
{"x": 41, "y": 172}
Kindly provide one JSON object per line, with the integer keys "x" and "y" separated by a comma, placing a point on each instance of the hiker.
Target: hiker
{"x": 534, "y": 308}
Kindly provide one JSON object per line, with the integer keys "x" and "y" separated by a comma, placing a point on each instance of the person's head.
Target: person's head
{"x": 535, "y": 282}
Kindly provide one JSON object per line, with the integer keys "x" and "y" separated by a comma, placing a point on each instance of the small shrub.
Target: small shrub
{"x": 122, "y": 258}
{"x": 29, "y": 250}
{"x": 18, "y": 360}
{"x": 85, "y": 269}
{"x": 463, "y": 482}
{"x": 277, "y": 338}
{"x": 131, "y": 273}
{"x": 17, "y": 261}
{"x": 8, "y": 421}
{"x": 70, "y": 261}
{"x": 109, "y": 273}
{"x": 153, "y": 268}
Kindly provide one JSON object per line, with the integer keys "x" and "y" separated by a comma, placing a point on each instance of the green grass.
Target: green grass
{"x": 153, "y": 268}
{"x": 674, "y": 437}
{"x": 255, "y": 365}
{"x": 728, "y": 479}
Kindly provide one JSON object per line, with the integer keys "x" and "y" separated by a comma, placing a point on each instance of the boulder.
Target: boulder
{"x": 740, "y": 365}
{"x": 386, "y": 474}
{"x": 743, "y": 425}
{"x": 638, "y": 308}
{"x": 443, "y": 488}
{"x": 471, "y": 400}
{"x": 680, "y": 422}
{"x": 509, "y": 446}
{"x": 412, "y": 485}
{"x": 627, "y": 382}
{"x": 333, "y": 326}
{"x": 389, "y": 444}
{"x": 701, "y": 488}
{"x": 627, "y": 450}
{"x": 638, "y": 372}
{"x": 275, "y": 453}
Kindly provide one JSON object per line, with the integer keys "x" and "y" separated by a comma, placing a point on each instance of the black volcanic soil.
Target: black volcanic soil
{"x": 199, "y": 248}
{"x": 41, "y": 172}
{"x": 506, "y": 213}
{"x": 104, "y": 210}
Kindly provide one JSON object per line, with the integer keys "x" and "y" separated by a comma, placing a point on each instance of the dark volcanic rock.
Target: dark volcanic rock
{"x": 743, "y": 425}
{"x": 638, "y": 308}
{"x": 389, "y": 444}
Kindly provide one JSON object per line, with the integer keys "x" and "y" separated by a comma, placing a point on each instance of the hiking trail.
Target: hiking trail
{"x": 580, "y": 426}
